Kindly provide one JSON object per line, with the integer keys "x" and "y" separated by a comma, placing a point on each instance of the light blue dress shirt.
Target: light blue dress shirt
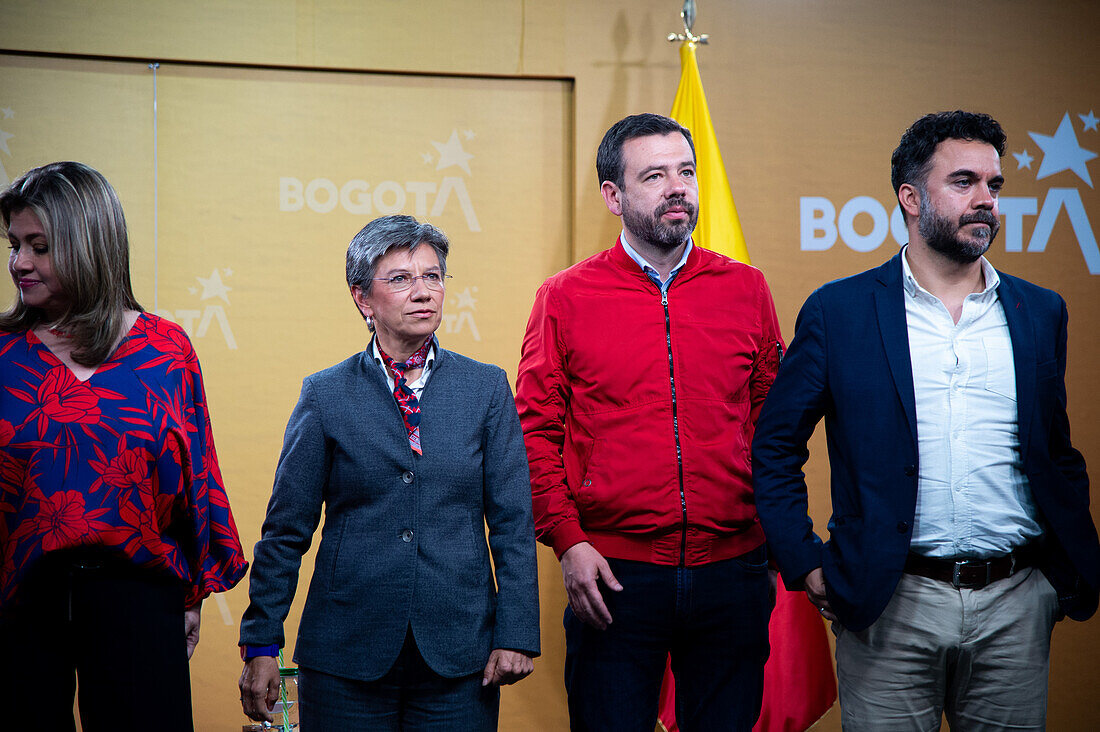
{"x": 973, "y": 500}
{"x": 648, "y": 268}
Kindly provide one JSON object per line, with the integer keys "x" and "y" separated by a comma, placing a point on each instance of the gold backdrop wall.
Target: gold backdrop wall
{"x": 276, "y": 149}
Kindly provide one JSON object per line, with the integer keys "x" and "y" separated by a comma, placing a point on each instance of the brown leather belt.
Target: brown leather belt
{"x": 971, "y": 574}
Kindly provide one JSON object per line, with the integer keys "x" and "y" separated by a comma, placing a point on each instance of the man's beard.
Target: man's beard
{"x": 946, "y": 237}
{"x": 654, "y": 230}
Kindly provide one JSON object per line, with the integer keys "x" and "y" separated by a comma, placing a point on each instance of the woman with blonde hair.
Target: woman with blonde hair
{"x": 114, "y": 524}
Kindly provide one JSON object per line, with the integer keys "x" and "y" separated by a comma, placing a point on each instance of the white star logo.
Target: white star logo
{"x": 427, "y": 158}
{"x": 1089, "y": 121}
{"x": 1023, "y": 160}
{"x": 468, "y": 134}
{"x": 1063, "y": 152}
{"x": 451, "y": 153}
{"x": 465, "y": 299}
{"x": 7, "y": 112}
{"x": 213, "y": 286}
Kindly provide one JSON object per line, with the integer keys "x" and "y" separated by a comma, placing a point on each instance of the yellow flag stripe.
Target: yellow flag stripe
{"x": 719, "y": 228}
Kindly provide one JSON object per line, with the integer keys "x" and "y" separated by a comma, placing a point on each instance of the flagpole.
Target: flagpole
{"x": 687, "y": 14}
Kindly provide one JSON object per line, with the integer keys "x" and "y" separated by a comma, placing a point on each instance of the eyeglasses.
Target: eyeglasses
{"x": 402, "y": 282}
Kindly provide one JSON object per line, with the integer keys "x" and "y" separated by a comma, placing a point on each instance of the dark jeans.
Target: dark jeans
{"x": 410, "y": 696}
{"x": 119, "y": 628}
{"x": 713, "y": 619}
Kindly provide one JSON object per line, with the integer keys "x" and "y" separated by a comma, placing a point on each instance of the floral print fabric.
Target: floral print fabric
{"x": 123, "y": 461}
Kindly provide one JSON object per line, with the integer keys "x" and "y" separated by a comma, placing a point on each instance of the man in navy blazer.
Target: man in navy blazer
{"x": 960, "y": 529}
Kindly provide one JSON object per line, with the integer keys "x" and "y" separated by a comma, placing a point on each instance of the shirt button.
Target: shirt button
{"x": 407, "y": 476}
{"x": 910, "y": 470}
{"x": 407, "y": 535}
{"x": 902, "y": 527}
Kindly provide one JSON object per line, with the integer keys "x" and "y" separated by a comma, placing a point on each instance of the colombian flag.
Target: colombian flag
{"x": 799, "y": 685}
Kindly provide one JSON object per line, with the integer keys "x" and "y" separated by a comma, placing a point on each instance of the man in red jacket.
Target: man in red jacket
{"x": 644, "y": 368}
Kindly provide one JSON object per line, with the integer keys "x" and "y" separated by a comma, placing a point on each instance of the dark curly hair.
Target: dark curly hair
{"x": 911, "y": 160}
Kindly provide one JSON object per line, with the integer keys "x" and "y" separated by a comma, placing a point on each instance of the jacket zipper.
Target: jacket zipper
{"x": 676, "y": 434}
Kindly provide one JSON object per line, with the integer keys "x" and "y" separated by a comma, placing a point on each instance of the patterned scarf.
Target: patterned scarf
{"x": 406, "y": 399}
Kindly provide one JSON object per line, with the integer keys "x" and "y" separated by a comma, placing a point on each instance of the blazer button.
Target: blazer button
{"x": 902, "y": 527}
{"x": 407, "y": 535}
{"x": 910, "y": 470}
{"x": 407, "y": 476}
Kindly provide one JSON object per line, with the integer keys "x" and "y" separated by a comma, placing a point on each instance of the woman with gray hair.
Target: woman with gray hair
{"x": 114, "y": 523}
{"x": 410, "y": 450}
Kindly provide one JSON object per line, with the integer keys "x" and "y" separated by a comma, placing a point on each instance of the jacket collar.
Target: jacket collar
{"x": 619, "y": 257}
{"x": 889, "y": 297}
{"x": 1023, "y": 354}
{"x": 369, "y": 365}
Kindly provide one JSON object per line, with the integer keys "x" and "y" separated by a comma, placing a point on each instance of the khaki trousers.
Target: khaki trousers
{"x": 979, "y": 656}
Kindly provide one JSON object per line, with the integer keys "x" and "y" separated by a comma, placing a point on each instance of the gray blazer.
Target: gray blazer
{"x": 403, "y": 542}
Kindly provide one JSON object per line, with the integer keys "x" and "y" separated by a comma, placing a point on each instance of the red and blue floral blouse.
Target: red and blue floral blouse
{"x": 124, "y": 461}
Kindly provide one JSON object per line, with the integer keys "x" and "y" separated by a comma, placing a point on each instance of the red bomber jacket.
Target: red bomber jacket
{"x": 638, "y": 409}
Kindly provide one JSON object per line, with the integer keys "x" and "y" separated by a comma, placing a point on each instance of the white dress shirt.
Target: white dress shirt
{"x": 972, "y": 498}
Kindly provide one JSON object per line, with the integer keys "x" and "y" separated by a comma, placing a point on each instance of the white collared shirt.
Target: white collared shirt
{"x": 421, "y": 381}
{"x": 972, "y": 498}
{"x": 648, "y": 268}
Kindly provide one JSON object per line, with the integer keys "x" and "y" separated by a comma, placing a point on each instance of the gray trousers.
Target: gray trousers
{"x": 979, "y": 656}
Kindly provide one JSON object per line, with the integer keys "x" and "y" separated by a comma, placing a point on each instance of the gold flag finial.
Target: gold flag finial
{"x": 687, "y": 14}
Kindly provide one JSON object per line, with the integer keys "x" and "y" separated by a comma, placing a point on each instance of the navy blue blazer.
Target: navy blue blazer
{"x": 403, "y": 542}
{"x": 849, "y": 363}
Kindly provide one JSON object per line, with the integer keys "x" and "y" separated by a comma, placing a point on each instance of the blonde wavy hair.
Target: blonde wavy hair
{"x": 90, "y": 252}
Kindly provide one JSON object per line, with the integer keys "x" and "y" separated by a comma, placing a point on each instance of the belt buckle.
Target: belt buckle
{"x": 956, "y": 580}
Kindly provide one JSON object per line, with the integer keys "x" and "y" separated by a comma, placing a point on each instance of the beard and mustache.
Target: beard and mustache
{"x": 946, "y": 237}
{"x": 654, "y": 230}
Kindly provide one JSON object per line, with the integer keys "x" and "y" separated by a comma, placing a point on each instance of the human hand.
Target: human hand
{"x": 814, "y": 584}
{"x": 192, "y": 617}
{"x": 506, "y": 667}
{"x": 259, "y": 685}
{"x": 581, "y": 568}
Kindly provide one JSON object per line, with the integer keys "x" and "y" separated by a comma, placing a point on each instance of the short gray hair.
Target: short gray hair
{"x": 379, "y": 237}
